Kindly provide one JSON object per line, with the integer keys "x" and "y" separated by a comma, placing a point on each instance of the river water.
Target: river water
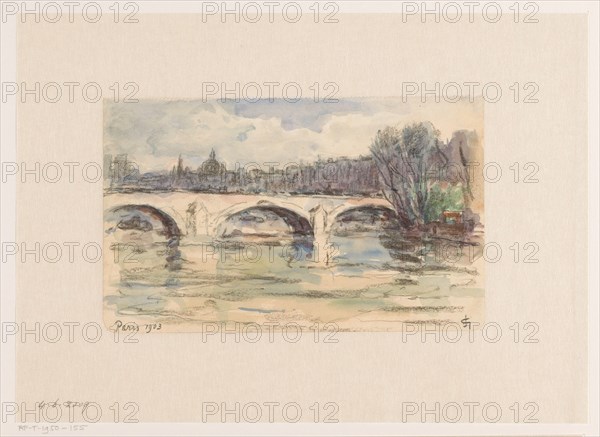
{"x": 374, "y": 280}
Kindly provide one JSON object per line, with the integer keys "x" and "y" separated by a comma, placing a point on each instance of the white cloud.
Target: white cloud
{"x": 154, "y": 133}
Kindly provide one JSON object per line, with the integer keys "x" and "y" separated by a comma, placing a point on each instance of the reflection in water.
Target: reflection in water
{"x": 364, "y": 270}
{"x": 173, "y": 254}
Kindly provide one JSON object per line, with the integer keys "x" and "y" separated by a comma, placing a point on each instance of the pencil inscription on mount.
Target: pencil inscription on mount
{"x": 366, "y": 213}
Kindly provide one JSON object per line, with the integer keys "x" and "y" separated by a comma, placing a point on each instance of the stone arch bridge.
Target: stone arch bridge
{"x": 199, "y": 214}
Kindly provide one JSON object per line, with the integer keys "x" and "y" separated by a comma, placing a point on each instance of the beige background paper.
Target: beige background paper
{"x": 367, "y": 375}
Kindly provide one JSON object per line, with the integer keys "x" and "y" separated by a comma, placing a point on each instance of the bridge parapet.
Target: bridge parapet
{"x": 200, "y": 214}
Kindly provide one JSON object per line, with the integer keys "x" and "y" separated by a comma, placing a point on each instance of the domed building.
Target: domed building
{"x": 211, "y": 167}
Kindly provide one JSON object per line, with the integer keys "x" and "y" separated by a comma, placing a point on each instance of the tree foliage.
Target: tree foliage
{"x": 450, "y": 198}
{"x": 407, "y": 160}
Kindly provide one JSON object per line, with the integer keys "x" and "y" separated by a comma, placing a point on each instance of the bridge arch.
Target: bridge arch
{"x": 295, "y": 217}
{"x": 142, "y": 217}
{"x": 383, "y": 212}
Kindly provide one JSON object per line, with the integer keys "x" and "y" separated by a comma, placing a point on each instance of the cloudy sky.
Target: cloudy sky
{"x": 154, "y": 133}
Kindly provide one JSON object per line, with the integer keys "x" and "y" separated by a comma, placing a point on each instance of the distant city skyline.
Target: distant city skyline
{"x": 155, "y": 133}
{"x": 334, "y": 176}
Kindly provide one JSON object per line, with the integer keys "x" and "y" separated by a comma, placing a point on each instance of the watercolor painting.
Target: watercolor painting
{"x": 363, "y": 213}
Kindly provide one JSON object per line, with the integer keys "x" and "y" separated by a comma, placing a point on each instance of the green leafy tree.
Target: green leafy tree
{"x": 442, "y": 199}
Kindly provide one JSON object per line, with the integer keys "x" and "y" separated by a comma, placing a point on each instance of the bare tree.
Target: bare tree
{"x": 407, "y": 161}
